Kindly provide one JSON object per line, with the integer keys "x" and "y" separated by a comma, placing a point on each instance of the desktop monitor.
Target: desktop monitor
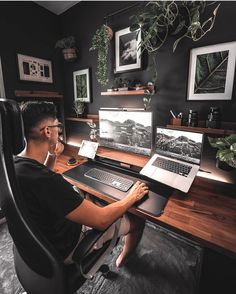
{"x": 129, "y": 131}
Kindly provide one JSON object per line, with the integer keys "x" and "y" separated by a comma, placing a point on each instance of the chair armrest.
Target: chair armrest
{"x": 87, "y": 243}
{"x": 89, "y": 262}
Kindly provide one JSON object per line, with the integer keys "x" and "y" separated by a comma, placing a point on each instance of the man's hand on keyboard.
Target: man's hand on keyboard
{"x": 138, "y": 191}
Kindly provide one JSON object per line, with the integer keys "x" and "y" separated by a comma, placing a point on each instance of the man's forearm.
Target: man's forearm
{"x": 115, "y": 210}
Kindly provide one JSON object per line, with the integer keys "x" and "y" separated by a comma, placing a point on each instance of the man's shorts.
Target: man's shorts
{"x": 123, "y": 230}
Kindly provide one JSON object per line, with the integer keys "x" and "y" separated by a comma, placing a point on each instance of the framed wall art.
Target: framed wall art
{"x": 127, "y": 50}
{"x": 81, "y": 85}
{"x": 2, "y": 89}
{"x": 211, "y": 72}
{"x": 34, "y": 69}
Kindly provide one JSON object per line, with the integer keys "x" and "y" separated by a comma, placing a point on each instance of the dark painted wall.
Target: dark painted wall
{"x": 82, "y": 21}
{"x": 28, "y": 29}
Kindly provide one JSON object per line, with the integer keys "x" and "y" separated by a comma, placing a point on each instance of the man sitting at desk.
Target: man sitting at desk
{"x": 56, "y": 207}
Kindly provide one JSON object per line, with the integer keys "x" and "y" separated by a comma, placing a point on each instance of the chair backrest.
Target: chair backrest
{"x": 36, "y": 261}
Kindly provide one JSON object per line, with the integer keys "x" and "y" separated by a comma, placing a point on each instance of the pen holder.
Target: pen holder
{"x": 176, "y": 121}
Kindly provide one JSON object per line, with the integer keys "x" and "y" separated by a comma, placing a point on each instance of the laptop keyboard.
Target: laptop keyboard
{"x": 172, "y": 166}
{"x": 109, "y": 179}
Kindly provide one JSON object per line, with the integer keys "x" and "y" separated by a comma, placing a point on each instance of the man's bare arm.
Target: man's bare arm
{"x": 100, "y": 218}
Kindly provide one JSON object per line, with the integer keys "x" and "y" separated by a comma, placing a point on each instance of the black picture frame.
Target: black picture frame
{"x": 81, "y": 80}
{"x": 127, "y": 50}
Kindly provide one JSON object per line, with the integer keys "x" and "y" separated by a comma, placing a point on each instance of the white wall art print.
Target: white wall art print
{"x": 34, "y": 69}
{"x": 211, "y": 72}
{"x": 127, "y": 50}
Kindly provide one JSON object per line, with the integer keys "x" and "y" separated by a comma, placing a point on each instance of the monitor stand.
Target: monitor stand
{"x": 116, "y": 163}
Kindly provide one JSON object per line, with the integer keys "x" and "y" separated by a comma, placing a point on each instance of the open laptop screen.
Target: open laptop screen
{"x": 182, "y": 145}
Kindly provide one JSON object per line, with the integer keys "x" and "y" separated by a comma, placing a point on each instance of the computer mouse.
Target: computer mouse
{"x": 72, "y": 161}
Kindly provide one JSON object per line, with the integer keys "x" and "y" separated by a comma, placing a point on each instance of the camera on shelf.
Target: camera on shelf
{"x": 214, "y": 118}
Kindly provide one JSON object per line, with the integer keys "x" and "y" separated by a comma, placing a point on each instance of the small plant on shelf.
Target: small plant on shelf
{"x": 226, "y": 149}
{"x": 79, "y": 108}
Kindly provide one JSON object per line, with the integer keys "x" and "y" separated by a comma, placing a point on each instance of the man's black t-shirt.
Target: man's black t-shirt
{"x": 49, "y": 198}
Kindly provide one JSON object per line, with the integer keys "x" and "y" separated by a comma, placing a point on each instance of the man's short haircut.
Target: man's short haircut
{"x": 33, "y": 112}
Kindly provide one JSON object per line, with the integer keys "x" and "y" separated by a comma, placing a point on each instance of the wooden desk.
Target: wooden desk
{"x": 207, "y": 214}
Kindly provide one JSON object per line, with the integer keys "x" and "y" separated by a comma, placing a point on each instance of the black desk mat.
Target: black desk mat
{"x": 154, "y": 203}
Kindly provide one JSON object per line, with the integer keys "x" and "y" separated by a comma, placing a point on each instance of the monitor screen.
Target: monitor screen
{"x": 129, "y": 131}
{"x": 178, "y": 144}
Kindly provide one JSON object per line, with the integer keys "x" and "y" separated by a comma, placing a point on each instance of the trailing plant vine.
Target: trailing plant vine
{"x": 100, "y": 42}
{"x": 182, "y": 19}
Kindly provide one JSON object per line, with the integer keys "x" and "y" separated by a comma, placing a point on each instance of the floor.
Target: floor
{"x": 164, "y": 263}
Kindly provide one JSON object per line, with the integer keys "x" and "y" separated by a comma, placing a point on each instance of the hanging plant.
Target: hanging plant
{"x": 182, "y": 19}
{"x": 100, "y": 42}
{"x": 68, "y": 47}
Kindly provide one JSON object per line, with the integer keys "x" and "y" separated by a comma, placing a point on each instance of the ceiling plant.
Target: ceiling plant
{"x": 226, "y": 149}
{"x": 179, "y": 19}
{"x": 100, "y": 43}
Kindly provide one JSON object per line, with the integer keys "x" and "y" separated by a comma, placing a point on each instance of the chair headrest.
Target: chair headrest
{"x": 12, "y": 125}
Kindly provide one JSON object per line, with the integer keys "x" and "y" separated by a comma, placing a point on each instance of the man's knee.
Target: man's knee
{"x": 136, "y": 223}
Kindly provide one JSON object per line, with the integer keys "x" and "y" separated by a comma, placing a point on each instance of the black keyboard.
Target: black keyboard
{"x": 109, "y": 179}
{"x": 173, "y": 166}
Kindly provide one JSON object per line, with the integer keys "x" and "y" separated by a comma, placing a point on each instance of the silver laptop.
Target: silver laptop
{"x": 177, "y": 158}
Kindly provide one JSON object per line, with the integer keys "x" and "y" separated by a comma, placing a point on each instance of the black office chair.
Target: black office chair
{"x": 39, "y": 267}
{"x": 2, "y": 217}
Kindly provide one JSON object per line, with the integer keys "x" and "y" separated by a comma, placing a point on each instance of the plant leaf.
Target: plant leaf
{"x": 177, "y": 41}
{"x": 179, "y": 27}
{"x": 231, "y": 139}
{"x": 134, "y": 27}
{"x": 233, "y": 147}
{"x": 211, "y": 72}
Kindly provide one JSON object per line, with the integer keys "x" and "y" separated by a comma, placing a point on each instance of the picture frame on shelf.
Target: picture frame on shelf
{"x": 81, "y": 80}
{"x": 127, "y": 50}
{"x": 211, "y": 72}
{"x": 34, "y": 69}
{"x": 2, "y": 89}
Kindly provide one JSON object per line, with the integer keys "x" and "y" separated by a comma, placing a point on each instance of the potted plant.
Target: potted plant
{"x": 226, "y": 150}
{"x": 69, "y": 48}
{"x": 79, "y": 108}
{"x": 180, "y": 19}
{"x": 100, "y": 42}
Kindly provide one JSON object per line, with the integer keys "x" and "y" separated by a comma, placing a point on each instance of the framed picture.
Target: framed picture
{"x": 81, "y": 85}
{"x": 34, "y": 69}
{"x": 2, "y": 89}
{"x": 127, "y": 50}
{"x": 211, "y": 72}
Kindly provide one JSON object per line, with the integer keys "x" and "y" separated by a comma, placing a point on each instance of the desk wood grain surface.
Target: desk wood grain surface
{"x": 207, "y": 214}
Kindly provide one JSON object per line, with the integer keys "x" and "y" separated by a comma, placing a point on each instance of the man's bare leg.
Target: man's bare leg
{"x": 131, "y": 239}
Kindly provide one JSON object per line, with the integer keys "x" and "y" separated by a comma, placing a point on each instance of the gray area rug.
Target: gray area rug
{"x": 163, "y": 263}
{"x": 9, "y": 283}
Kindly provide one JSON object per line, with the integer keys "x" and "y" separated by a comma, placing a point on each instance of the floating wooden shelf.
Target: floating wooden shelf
{"x": 203, "y": 130}
{"x": 37, "y": 94}
{"x": 90, "y": 118}
{"x": 124, "y": 93}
